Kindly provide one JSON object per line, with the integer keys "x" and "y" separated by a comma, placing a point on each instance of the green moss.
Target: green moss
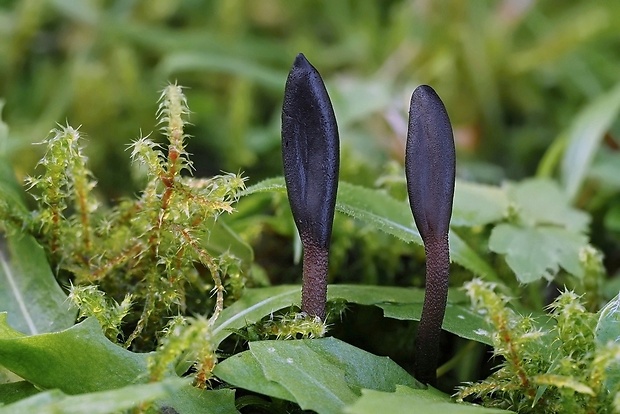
{"x": 149, "y": 250}
{"x": 553, "y": 366}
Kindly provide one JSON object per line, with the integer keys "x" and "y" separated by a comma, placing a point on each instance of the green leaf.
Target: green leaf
{"x": 362, "y": 369}
{"x": 270, "y": 185}
{"x": 28, "y": 290}
{"x": 322, "y": 375}
{"x": 608, "y": 325}
{"x": 607, "y": 332}
{"x": 190, "y": 400}
{"x": 396, "y": 302}
{"x": 584, "y": 136}
{"x": 549, "y": 235}
{"x": 373, "y": 207}
{"x": 309, "y": 380}
{"x": 406, "y": 304}
{"x": 103, "y": 402}
{"x": 82, "y": 360}
{"x": 15, "y": 391}
{"x": 247, "y": 371}
{"x": 542, "y": 202}
{"x": 408, "y": 400}
{"x": 77, "y": 360}
{"x": 459, "y": 320}
{"x": 477, "y": 204}
{"x": 538, "y": 252}
{"x": 461, "y": 253}
{"x": 378, "y": 209}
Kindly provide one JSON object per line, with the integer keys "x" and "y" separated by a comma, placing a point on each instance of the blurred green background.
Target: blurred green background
{"x": 512, "y": 73}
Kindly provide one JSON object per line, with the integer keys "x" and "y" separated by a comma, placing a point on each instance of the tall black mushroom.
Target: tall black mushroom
{"x": 310, "y": 152}
{"x": 430, "y": 169}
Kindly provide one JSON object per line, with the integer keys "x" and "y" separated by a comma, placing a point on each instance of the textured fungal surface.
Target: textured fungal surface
{"x": 310, "y": 153}
{"x": 430, "y": 170}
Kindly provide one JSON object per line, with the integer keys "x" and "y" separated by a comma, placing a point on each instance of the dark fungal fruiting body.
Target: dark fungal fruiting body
{"x": 430, "y": 169}
{"x": 311, "y": 156}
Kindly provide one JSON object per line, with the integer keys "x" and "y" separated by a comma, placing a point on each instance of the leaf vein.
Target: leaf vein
{"x": 18, "y": 295}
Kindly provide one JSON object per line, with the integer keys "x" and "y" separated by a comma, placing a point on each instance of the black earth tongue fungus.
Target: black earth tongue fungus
{"x": 311, "y": 157}
{"x": 430, "y": 169}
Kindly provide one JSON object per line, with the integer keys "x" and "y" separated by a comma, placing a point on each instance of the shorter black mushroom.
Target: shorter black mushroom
{"x": 310, "y": 152}
{"x": 430, "y": 170}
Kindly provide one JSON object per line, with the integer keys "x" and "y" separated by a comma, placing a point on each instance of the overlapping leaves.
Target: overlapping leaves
{"x": 536, "y": 229}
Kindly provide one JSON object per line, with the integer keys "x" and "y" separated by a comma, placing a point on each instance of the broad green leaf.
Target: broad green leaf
{"x": 29, "y": 293}
{"x": 459, "y": 319}
{"x": 373, "y": 207}
{"x": 408, "y": 400}
{"x": 396, "y": 302}
{"x": 103, "y": 402}
{"x": 248, "y": 374}
{"x": 608, "y": 325}
{"x": 190, "y": 400}
{"x": 77, "y": 360}
{"x": 6, "y": 331}
{"x": 81, "y": 360}
{"x": 322, "y": 375}
{"x": 362, "y": 369}
{"x": 313, "y": 382}
{"x": 542, "y": 202}
{"x": 607, "y": 332}
{"x": 270, "y": 185}
{"x": 376, "y": 208}
{"x": 538, "y": 252}
{"x": 406, "y": 304}
{"x": 464, "y": 255}
{"x": 28, "y": 289}
{"x": 15, "y": 391}
{"x": 375, "y": 295}
{"x": 584, "y": 136}
{"x": 478, "y": 204}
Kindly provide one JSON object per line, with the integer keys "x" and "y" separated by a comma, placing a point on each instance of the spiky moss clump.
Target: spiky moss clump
{"x": 292, "y": 324}
{"x": 552, "y": 367}
{"x": 149, "y": 250}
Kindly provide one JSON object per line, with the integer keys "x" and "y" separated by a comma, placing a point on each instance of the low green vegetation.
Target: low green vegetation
{"x": 137, "y": 277}
{"x": 136, "y": 273}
